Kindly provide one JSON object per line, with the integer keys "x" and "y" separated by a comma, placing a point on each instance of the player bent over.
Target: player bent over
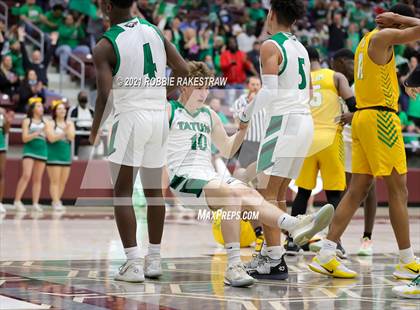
{"x": 193, "y": 129}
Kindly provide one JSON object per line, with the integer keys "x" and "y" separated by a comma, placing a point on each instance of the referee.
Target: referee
{"x": 249, "y": 151}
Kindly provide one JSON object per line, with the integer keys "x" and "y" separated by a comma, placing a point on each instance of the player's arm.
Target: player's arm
{"x": 390, "y": 19}
{"x": 228, "y": 146}
{"x": 103, "y": 57}
{"x": 270, "y": 60}
{"x": 345, "y": 91}
{"x": 389, "y": 37}
{"x": 175, "y": 61}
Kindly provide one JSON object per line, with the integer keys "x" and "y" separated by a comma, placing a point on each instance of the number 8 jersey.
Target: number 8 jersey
{"x": 189, "y": 143}
{"x": 140, "y": 51}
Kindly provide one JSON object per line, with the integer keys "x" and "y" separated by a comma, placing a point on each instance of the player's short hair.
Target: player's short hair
{"x": 402, "y": 9}
{"x": 343, "y": 53}
{"x": 122, "y": 4}
{"x": 199, "y": 69}
{"x": 288, "y": 11}
{"x": 313, "y": 53}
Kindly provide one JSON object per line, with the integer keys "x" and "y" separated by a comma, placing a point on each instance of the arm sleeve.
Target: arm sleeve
{"x": 265, "y": 96}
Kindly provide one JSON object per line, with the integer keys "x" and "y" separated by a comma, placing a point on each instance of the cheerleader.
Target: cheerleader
{"x": 34, "y": 154}
{"x": 60, "y": 135}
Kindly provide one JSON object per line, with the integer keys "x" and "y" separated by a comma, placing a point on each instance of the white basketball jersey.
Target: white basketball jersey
{"x": 294, "y": 77}
{"x": 141, "y": 55}
{"x": 189, "y": 142}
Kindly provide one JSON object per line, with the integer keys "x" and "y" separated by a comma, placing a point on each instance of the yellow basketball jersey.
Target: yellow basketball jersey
{"x": 375, "y": 85}
{"x": 325, "y": 105}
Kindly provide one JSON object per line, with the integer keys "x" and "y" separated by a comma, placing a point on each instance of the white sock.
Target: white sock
{"x": 327, "y": 251}
{"x": 275, "y": 252}
{"x": 407, "y": 255}
{"x": 286, "y": 222}
{"x": 264, "y": 249}
{"x": 153, "y": 249}
{"x": 132, "y": 253}
{"x": 233, "y": 252}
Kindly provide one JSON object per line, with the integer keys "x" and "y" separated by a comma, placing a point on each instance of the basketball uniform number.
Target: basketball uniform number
{"x": 302, "y": 74}
{"x": 317, "y": 98}
{"x": 360, "y": 67}
{"x": 199, "y": 142}
{"x": 149, "y": 64}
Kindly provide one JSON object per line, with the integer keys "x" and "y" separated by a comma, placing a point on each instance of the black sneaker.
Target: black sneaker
{"x": 341, "y": 253}
{"x": 292, "y": 248}
{"x": 270, "y": 269}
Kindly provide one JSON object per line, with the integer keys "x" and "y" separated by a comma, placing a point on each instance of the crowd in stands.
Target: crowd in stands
{"x": 225, "y": 34}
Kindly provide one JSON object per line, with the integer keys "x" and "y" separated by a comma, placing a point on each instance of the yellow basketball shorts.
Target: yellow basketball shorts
{"x": 378, "y": 145}
{"x": 330, "y": 162}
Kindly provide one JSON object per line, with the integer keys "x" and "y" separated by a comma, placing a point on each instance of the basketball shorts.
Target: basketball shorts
{"x": 286, "y": 143}
{"x": 378, "y": 145}
{"x": 189, "y": 187}
{"x": 139, "y": 139}
{"x": 330, "y": 162}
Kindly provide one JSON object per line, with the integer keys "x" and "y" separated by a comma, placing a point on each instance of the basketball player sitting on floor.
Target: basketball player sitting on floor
{"x": 193, "y": 129}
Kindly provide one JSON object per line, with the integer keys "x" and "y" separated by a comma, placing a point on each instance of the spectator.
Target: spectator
{"x": 17, "y": 59}
{"x": 246, "y": 39}
{"x": 337, "y": 34}
{"x": 29, "y": 12}
{"x": 254, "y": 56}
{"x": 71, "y": 35}
{"x": 82, "y": 116}
{"x": 353, "y": 37}
{"x": 413, "y": 111}
{"x": 36, "y": 63}
{"x": 408, "y": 126}
{"x": 30, "y": 87}
{"x": 192, "y": 49}
{"x": 52, "y": 19}
{"x": 9, "y": 81}
{"x": 177, "y": 35}
{"x": 206, "y": 41}
{"x": 235, "y": 64}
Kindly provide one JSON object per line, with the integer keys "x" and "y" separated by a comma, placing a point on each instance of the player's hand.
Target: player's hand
{"x": 94, "y": 138}
{"x": 346, "y": 118}
{"x": 243, "y": 126}
{"x": 387, "y": 20}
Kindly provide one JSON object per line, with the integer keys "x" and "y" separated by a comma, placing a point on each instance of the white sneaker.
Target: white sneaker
{"x": 36, "y": 207}
{"x": 309, "y": 225}
{"x": 411, "y": 290}
{"x": 237, "y": 276}
{"x": 131, "y": 271}
{"x": 2, "y": 208}
{"x": 152, "y": 266}
{"x": 19, "y": 206}
{"x": 366, "y": 248}
{"x": 58, "y": 207}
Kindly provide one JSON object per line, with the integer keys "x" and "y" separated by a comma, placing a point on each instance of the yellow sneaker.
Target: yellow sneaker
{"x": 333, "y": 268}
{"x": 407, "y": 271}
{"x": 411, "y": 290}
